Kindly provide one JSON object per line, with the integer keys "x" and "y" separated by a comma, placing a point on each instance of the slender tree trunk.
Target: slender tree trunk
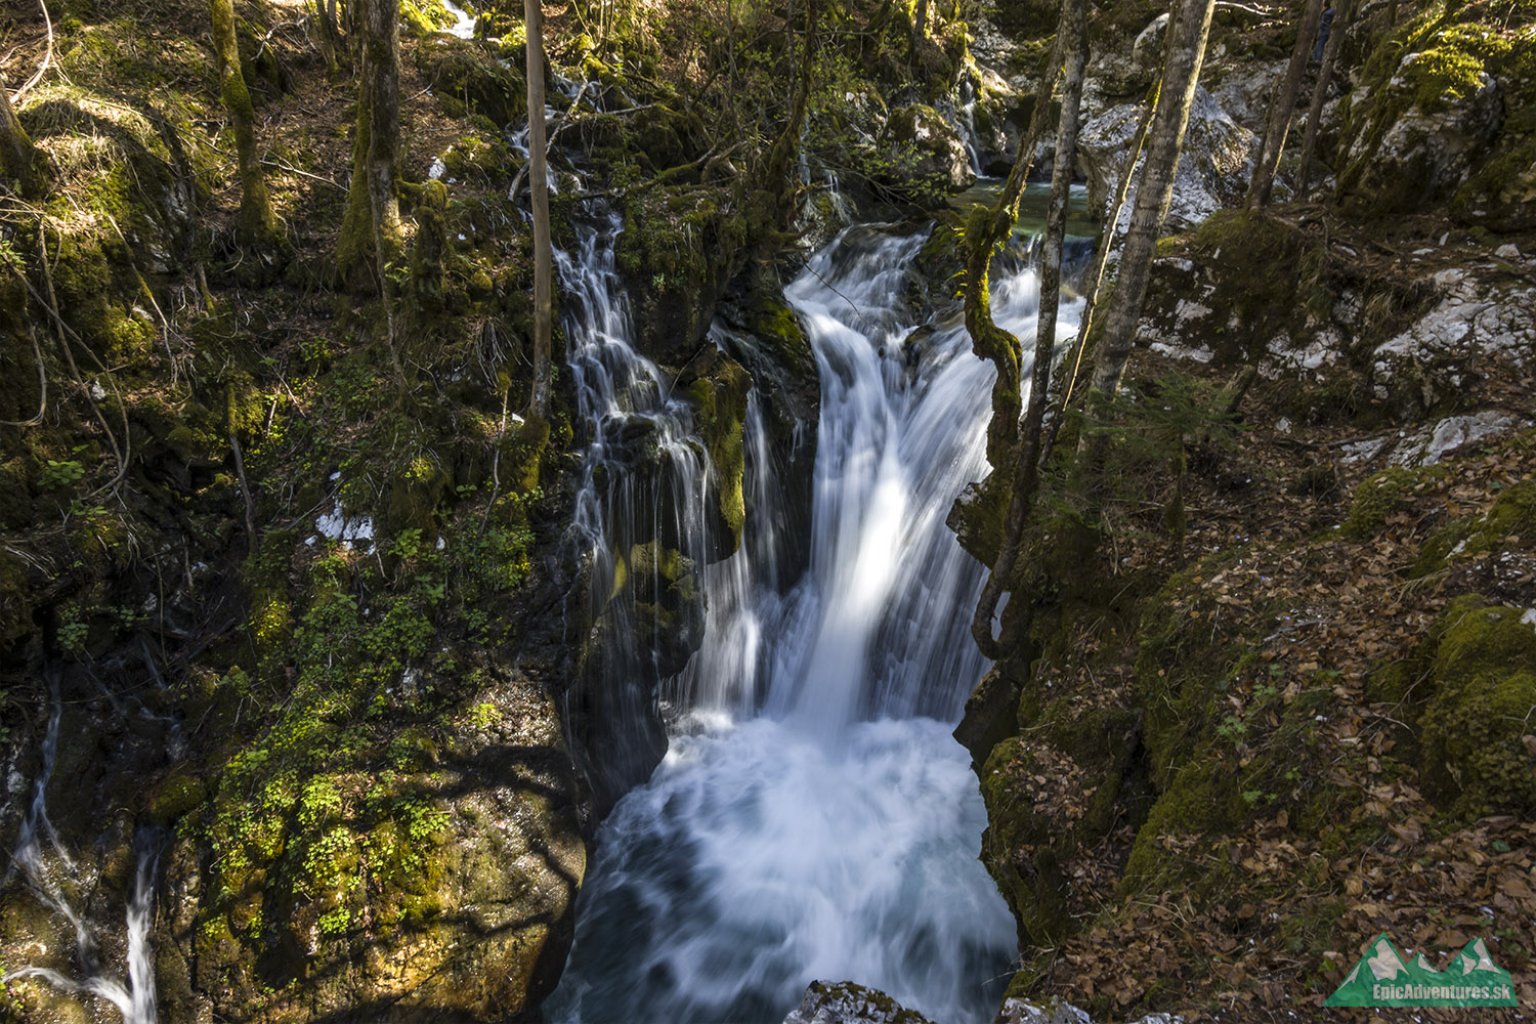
{"x": 257, "y": 224}
{"x": 1187, "y": 34}
{"x": 370, "y": 229}
{"x": 776, "y": 180}
{"x": 1026, "y": 470}
{"x": 919, "y": 25}
{"x": 538, "y": 192}
{"x": 1107, "y": 236}
{"x": 18, "y": 157}
{"x": 1320, "y": 91}
{"x": 1282, "y": 109}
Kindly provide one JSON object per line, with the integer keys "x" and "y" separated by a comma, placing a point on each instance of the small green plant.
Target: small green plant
{"x": 61, "y": 473}
{"x": 1232, "y": 729}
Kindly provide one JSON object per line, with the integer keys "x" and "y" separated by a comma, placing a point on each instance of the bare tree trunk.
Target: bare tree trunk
{"x": 370, "y": 229}
{"x": 1026, "y": 470}
{"x": 1331, "y": 50}
{"x": 1107, "y": 236}
{"x": 538, "y": 193}
{"x": 1283, "y": 108}
{"x": 257, "y": 224}
{"x": 1187, "y": 35}
{"x": 18, "y": 157}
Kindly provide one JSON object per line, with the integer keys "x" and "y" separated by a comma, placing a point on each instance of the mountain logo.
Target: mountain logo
{"x": 1384, "y": 977}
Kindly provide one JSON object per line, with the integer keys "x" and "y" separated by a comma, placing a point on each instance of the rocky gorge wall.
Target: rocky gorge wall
{"x": 1273, "y": 705}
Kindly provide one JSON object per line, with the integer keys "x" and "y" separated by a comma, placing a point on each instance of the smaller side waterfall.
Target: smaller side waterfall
{"x": 135, "y": 1000}
{"x": 646, "y": 523}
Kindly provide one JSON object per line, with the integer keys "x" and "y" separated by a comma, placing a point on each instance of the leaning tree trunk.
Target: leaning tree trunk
{"x": 18, "y": 157}
{"x": 538, "y": 192}
{"x": 256, "y": 224}
{"x": 1026, "y": 470}
{"x": 370, "y": 229}
{"x": 1187, "y": 34}
{"x": 1320, "y": 90}
{"x": 1282, "y": 109}
{"x": 985, "y": 230}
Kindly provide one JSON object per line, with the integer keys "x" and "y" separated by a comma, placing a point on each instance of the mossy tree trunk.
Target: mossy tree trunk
{"x": 18, "y": 157}
{"x": 1282, "y": 109}
{"x": 257, "y": 224}
{"x": 919, "y": 25}
{"x": 1320, "y": 91}
{"x": 776, "y": 178}
{"x": 1074, "y": 31}
{"x": 987, "y": 228}
{"x": 1187, "y": 34}
{"x": 538, "y": 193}
{"x": 370, "y": 229}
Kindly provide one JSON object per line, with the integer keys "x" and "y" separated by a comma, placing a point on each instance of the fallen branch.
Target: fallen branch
{"x": 47, "y": 58}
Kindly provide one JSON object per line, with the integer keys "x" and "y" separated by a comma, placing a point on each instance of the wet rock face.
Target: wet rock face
{"x": 1214, "y": 168}
{"x": 848, "y": 1003}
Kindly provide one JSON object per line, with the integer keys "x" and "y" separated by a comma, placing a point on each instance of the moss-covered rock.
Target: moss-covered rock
{"x": 719, "y": 394}
{"x": 1479, "y": 742}
{"x": 1513, "y": 514}
{"x": 680, "y": 248}
{"x": 1383, "y": 494}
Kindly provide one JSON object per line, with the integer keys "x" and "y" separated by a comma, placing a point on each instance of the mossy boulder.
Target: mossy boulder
{"x": 468, "y": 78}
{"x": 680, "y": 247}
{"x": 1384, "y": 494}
{"x": 1431, "y": 110}
{"x": 921, "y": 153}
{"x": 1479, "y": 737}
{"x": 1512, "y": 515}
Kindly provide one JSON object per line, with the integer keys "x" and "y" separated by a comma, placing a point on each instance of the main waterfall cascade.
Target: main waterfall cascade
{"x": 813, "y": 817}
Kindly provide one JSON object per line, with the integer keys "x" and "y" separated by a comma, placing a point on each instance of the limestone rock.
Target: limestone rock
{"x": 1419, "y": 154}
{"x": 1475, "y": 325}
{"x": 1018, "y": 1011}
{"x": 926, "y": 145}
{"x": 1214, "y": 170}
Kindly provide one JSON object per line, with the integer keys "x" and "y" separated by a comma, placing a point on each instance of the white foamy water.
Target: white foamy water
{"x": 814, "y": 818}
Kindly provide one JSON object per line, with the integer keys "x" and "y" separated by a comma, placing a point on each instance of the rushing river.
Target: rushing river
{"x": 813, "y": 818}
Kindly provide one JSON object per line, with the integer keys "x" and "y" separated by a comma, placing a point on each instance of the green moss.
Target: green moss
{"x": 1384, "y": 494}
{"x": 1202, "y": 798}
{"x": 177, "y": 796}
{"x": 1477, "y": 723}
{"x": 720, "y": 397}
{"x": 1512, "y": 515}
{"x": 1273, "y": 273}
{"x": 424, "y": 18}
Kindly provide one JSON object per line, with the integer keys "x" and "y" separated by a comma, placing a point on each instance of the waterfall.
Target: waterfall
{"x": 813, "y": 818}
{"x": 642, "y": 513}
{"x": 135, "y": 1001}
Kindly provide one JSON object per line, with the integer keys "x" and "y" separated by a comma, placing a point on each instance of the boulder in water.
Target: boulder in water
{"x": 847, "y": 1003}
{"x": 921, "y": 144}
